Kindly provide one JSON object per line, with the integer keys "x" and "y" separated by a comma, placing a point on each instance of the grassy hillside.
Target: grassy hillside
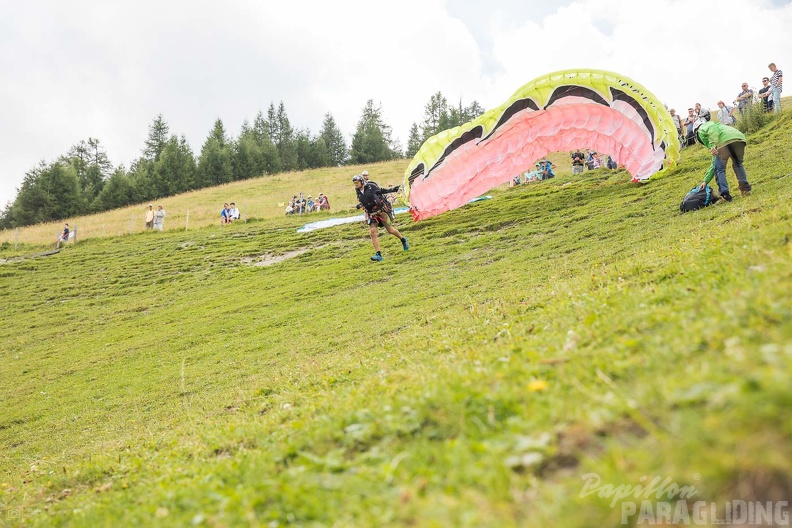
{"x": 564, "y": 328}
{"x": 259, "y": 198}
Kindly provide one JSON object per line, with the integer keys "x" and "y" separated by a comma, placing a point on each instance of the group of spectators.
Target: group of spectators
{"x": 542, "y": 171}
{"x": 769, "y": 95}
{"x": 590, "y": 160}
{"x": 301, "y": 205}
{"x": 155, "y": 219}
{"x": 229, "y": 213}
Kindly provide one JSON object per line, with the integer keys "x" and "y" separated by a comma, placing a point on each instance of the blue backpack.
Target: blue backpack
{"x": 696, "y": 199}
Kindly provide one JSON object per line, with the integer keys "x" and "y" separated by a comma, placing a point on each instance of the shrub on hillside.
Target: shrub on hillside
{"x": 753, "y": 118}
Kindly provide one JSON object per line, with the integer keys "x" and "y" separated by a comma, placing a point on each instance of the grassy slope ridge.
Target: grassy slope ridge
{"x": 521, "y": 343}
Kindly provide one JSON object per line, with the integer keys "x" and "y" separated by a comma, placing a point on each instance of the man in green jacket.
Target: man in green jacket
{"x": 724, "y": 142}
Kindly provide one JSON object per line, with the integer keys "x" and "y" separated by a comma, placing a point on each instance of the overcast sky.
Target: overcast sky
{"x": 75, "y": 69}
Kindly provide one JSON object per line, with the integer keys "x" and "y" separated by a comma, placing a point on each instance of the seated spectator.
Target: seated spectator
{"x": 577, "y": 162}
{"x": 233, "y": 213}
{"x": 225, "y": 215}
{"x": 744, "y": 99}
{"x": 324, "y": 203}
{"x": 591, "y": 155}
{"x": 546, "y": 168}
{"x": 726, "y": 114}
{"x": 611, "y": 164}
{"x": 515, "y": 181}
{"x": 309, "y": 205}
{"x": 63, "y": 237}
{"x": 301, "y": 203}
{"x": 291, "y": 208}
{"x": 596, "y": 162}
{"x": 533, "y": 176}
{"x": 766, "y": 95}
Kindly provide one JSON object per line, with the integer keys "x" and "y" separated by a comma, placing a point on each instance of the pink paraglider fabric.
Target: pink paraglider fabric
{"x": 477, "y": 167}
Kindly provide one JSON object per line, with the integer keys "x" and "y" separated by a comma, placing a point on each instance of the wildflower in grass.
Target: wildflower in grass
{"x": 537, "y": 385}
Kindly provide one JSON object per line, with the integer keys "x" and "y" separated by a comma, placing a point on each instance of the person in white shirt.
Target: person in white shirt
{"x": 234, "y": 213}
{"x": 159, "y": 218}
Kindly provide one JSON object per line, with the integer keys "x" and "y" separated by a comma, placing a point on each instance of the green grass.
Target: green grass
{"x": 523, "y": 342}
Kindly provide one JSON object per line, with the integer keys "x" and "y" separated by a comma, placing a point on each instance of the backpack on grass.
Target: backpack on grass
{"x": 696, "y": 199}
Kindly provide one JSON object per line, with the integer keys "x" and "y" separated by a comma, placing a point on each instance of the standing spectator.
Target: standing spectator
{"x": 744, "y": 99}
{"x": 776, "y": 84}
{"x": 150, "y": 217}
{"x": 724, "y": 142}
{"x": 677, "y": 122}
{"x": 689, "y": 120}
{"x": 233, "y": 213}
{"x": 726, "y": 114}
{"x": 702, "y": 113}
{"x": 577, "y": 162}
{"x": 766, "y": 95}
{"x": 225, "y": 215}
{"x": 159, "y": 218}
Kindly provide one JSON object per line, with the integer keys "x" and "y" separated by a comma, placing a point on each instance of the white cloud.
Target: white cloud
{"x": 76, "y": 69}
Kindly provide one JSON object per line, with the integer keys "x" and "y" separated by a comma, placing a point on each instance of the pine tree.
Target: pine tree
{"x": 91, "y": 165}
{"x": 175, "y": 168}
{"x": 372, "y": 140}
{"x": 262, "y": 134}
{"x": 306, "y": 157}
{"x": 48, "y": 192}
{"x": 321, "y": 153}
{"x": 285, "y": 141}
{"x": 117, "y": 192}
{"x": 334, "y": 141}
{"x": 157, "y": 138}
{"x": 214, "y": 164}
{"x": 414, "y": 142}
{"x": 248, "y": 159}
{"x": 436, "y": 116}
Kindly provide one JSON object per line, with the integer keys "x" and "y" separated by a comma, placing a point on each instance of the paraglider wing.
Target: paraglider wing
{"x": 560, "y": 111}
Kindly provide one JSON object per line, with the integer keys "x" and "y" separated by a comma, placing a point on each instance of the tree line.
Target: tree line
{"x": 84, "y": 181}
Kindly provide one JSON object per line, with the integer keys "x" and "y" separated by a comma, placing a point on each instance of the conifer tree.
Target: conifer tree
{"x": 372, "y": 139}
{"x": 158, "y": 135}
{"x": 284, "y": 140}
{"x": 334, "y": 142}
{"x": 175, "y": 168}
{"x": 214, "y": 164}
{"x": 414, "y": 141}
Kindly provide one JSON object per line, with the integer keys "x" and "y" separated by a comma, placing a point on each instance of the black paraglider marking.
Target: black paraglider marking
{"x": 417, "y": 171}
{"x": 575, "y": 91}
{"x": 470, "y": 135}
{"x": 517, "y": 106}
{"x": 619, "y": 95}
